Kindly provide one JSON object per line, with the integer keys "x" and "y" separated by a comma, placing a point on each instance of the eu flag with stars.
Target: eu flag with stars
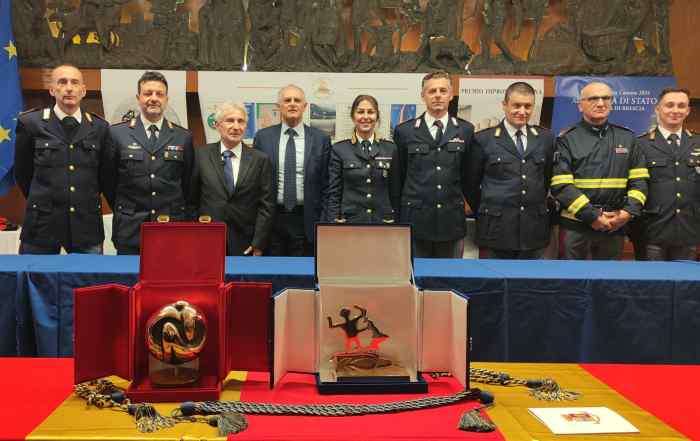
{"x": 10, "y": 97}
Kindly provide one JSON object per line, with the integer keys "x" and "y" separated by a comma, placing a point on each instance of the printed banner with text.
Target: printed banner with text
{"x": 634, "y": 99}
{"x": 329, "y": 96}
{"x": 480, "y": 99}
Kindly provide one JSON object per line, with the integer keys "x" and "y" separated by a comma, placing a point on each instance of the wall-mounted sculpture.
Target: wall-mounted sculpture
{"x": 626, "y": 37}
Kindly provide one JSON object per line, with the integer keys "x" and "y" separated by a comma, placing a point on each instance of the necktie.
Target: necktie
{"x": 440, "y": 126}
{"x": 153, "y": 136}
{"x": 519, "y": 142}
{"x": 673, "y": 139}
{"x": 70, "y": 126}
{"x": 365, "y": 146}
{"x": 228, "y": 170}
{"x": 289, "y": 196}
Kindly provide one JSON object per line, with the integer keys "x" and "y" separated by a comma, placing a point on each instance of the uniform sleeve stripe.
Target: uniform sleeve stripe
{"x": 562, "y": 179}
{"x": 639, "y": 173}
{"x": 638, "y": 195}
{"x": 601, "y": 183}
{"x": 578, "y": 204}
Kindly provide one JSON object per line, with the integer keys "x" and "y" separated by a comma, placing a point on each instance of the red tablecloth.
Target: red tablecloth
{"x": 33, "y": 388}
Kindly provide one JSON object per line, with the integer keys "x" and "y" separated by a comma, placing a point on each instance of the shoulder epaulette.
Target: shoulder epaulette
{"x": 171, "y": 125}
{"x": 651, "y": 134}
{"x": 621, "y": 127}
{"x": 132, "y": 123}
{"x": 454, "y": 121}
{"x": 46, "y": 115}
{"x": 535, "y": 130}
{"x": 29, "y": 111}
{"x": 567, "y": 130}
{"x": 391, "y": 141}
{"x": 90, "y": 116}
{"x": 689, "y": 132}
{"x": 497, "y": 134}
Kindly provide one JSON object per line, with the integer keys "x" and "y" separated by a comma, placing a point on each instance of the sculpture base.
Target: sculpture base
{"x": 169, "y": 375}
{"x": 372, "y": 385}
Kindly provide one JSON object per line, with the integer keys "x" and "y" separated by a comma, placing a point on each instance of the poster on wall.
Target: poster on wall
{"x": 120, "y": 87}
{"x": 634, "y": 99}
{"x": 480, "y": 99}
{"x": 329, "y": 97}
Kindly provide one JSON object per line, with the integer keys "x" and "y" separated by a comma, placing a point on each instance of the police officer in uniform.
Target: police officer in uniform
{"x": 670, "y": 223}
{"x": 600, "y": 179}
{"x": 58, "y": 161}
{"x": 432, "y": 152}
{"x": 363, "y": 186}
{"x": 511, "y": 167}
{"x": 151, "y": 162}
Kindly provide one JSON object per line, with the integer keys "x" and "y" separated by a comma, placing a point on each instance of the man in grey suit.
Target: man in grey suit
{"x": 299, "y": 156}
{"x": 232, "y": 183}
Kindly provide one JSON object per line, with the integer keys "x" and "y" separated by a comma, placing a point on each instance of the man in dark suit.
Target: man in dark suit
{"x": 232, "y": 183}
{"x": 58, "y": 165}
{"x": 432, "y": 151}
{"x": 149, "y": 167}
{"x": 299, "y": 155}
{"x": 510, "y": 170}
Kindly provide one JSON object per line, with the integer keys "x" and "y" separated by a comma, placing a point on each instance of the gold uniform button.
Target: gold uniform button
{"x": 131, "y": 156}
{"x": 439, "y": 205}
{"x": 678, "y": 210}
{"x": 369, "y": 181}
{"x": 153, "y": 158}
{"x": 439, "y": 187}
{"x": 524, "y": 192}
{"x": 153, "y": 211}
{"x": 522, "y": 208}
{"x": 70, "y": 146}
{"x": 438, "y": 168}
{"x": 152, "y": 176}
{"x": 72, "y": 188}
{"x": 367, "y": 166}
{"x": 523, "y": 161}
{"x": 678, "y": 195}
{"x": 369, "y": 195}
{"x": 524, "y": 177}
{"x": 678, "y": 179}
{"x": 369, "y": 210}
{"x": 71, "y": 167}
{"x": 72, "y": 209}
{"x": 439, "y": 149}
{"x": 153, "y": 193}
{"x": 678, "y": 163}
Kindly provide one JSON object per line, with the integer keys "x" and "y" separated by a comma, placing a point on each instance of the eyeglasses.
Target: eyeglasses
{"x": 595, "y": 99}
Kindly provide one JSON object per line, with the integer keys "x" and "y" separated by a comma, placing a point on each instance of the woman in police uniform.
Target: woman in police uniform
{"x": 362, "y": 184}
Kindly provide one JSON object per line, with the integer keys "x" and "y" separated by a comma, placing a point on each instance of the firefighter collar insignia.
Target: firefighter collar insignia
{"x": 133, "y": 146}
{"x": 456, "y": 139}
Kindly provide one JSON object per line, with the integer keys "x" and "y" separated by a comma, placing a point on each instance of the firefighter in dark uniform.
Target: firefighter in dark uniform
{"x": 58, "y": 166}
{"x": 599, "y": 178}
{"x": 511, "y": 167}
{"x": 363, "y": 186}
{"x": 151, "y": 162}
{"x": 670, "y": 223}
{"x": 432, "y": 152}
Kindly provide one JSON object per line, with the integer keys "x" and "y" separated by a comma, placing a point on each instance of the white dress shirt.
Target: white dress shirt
{"x": 299, "y": 143}
{"x": 430, "y": 122}
{"x": 146, "y": 124}
{"x": 60, "y": 114}
{"x": 512, "y": 131}
{"x": 666, "y": 133}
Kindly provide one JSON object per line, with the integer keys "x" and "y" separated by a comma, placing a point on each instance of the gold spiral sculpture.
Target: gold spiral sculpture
{"x": 176, "y": 333}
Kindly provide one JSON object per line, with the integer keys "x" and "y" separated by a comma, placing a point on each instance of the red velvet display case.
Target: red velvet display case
{"x": 179, "y": 261}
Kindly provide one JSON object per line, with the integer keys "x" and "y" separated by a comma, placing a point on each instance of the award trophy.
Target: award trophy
{"x": 175, "y": 335}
